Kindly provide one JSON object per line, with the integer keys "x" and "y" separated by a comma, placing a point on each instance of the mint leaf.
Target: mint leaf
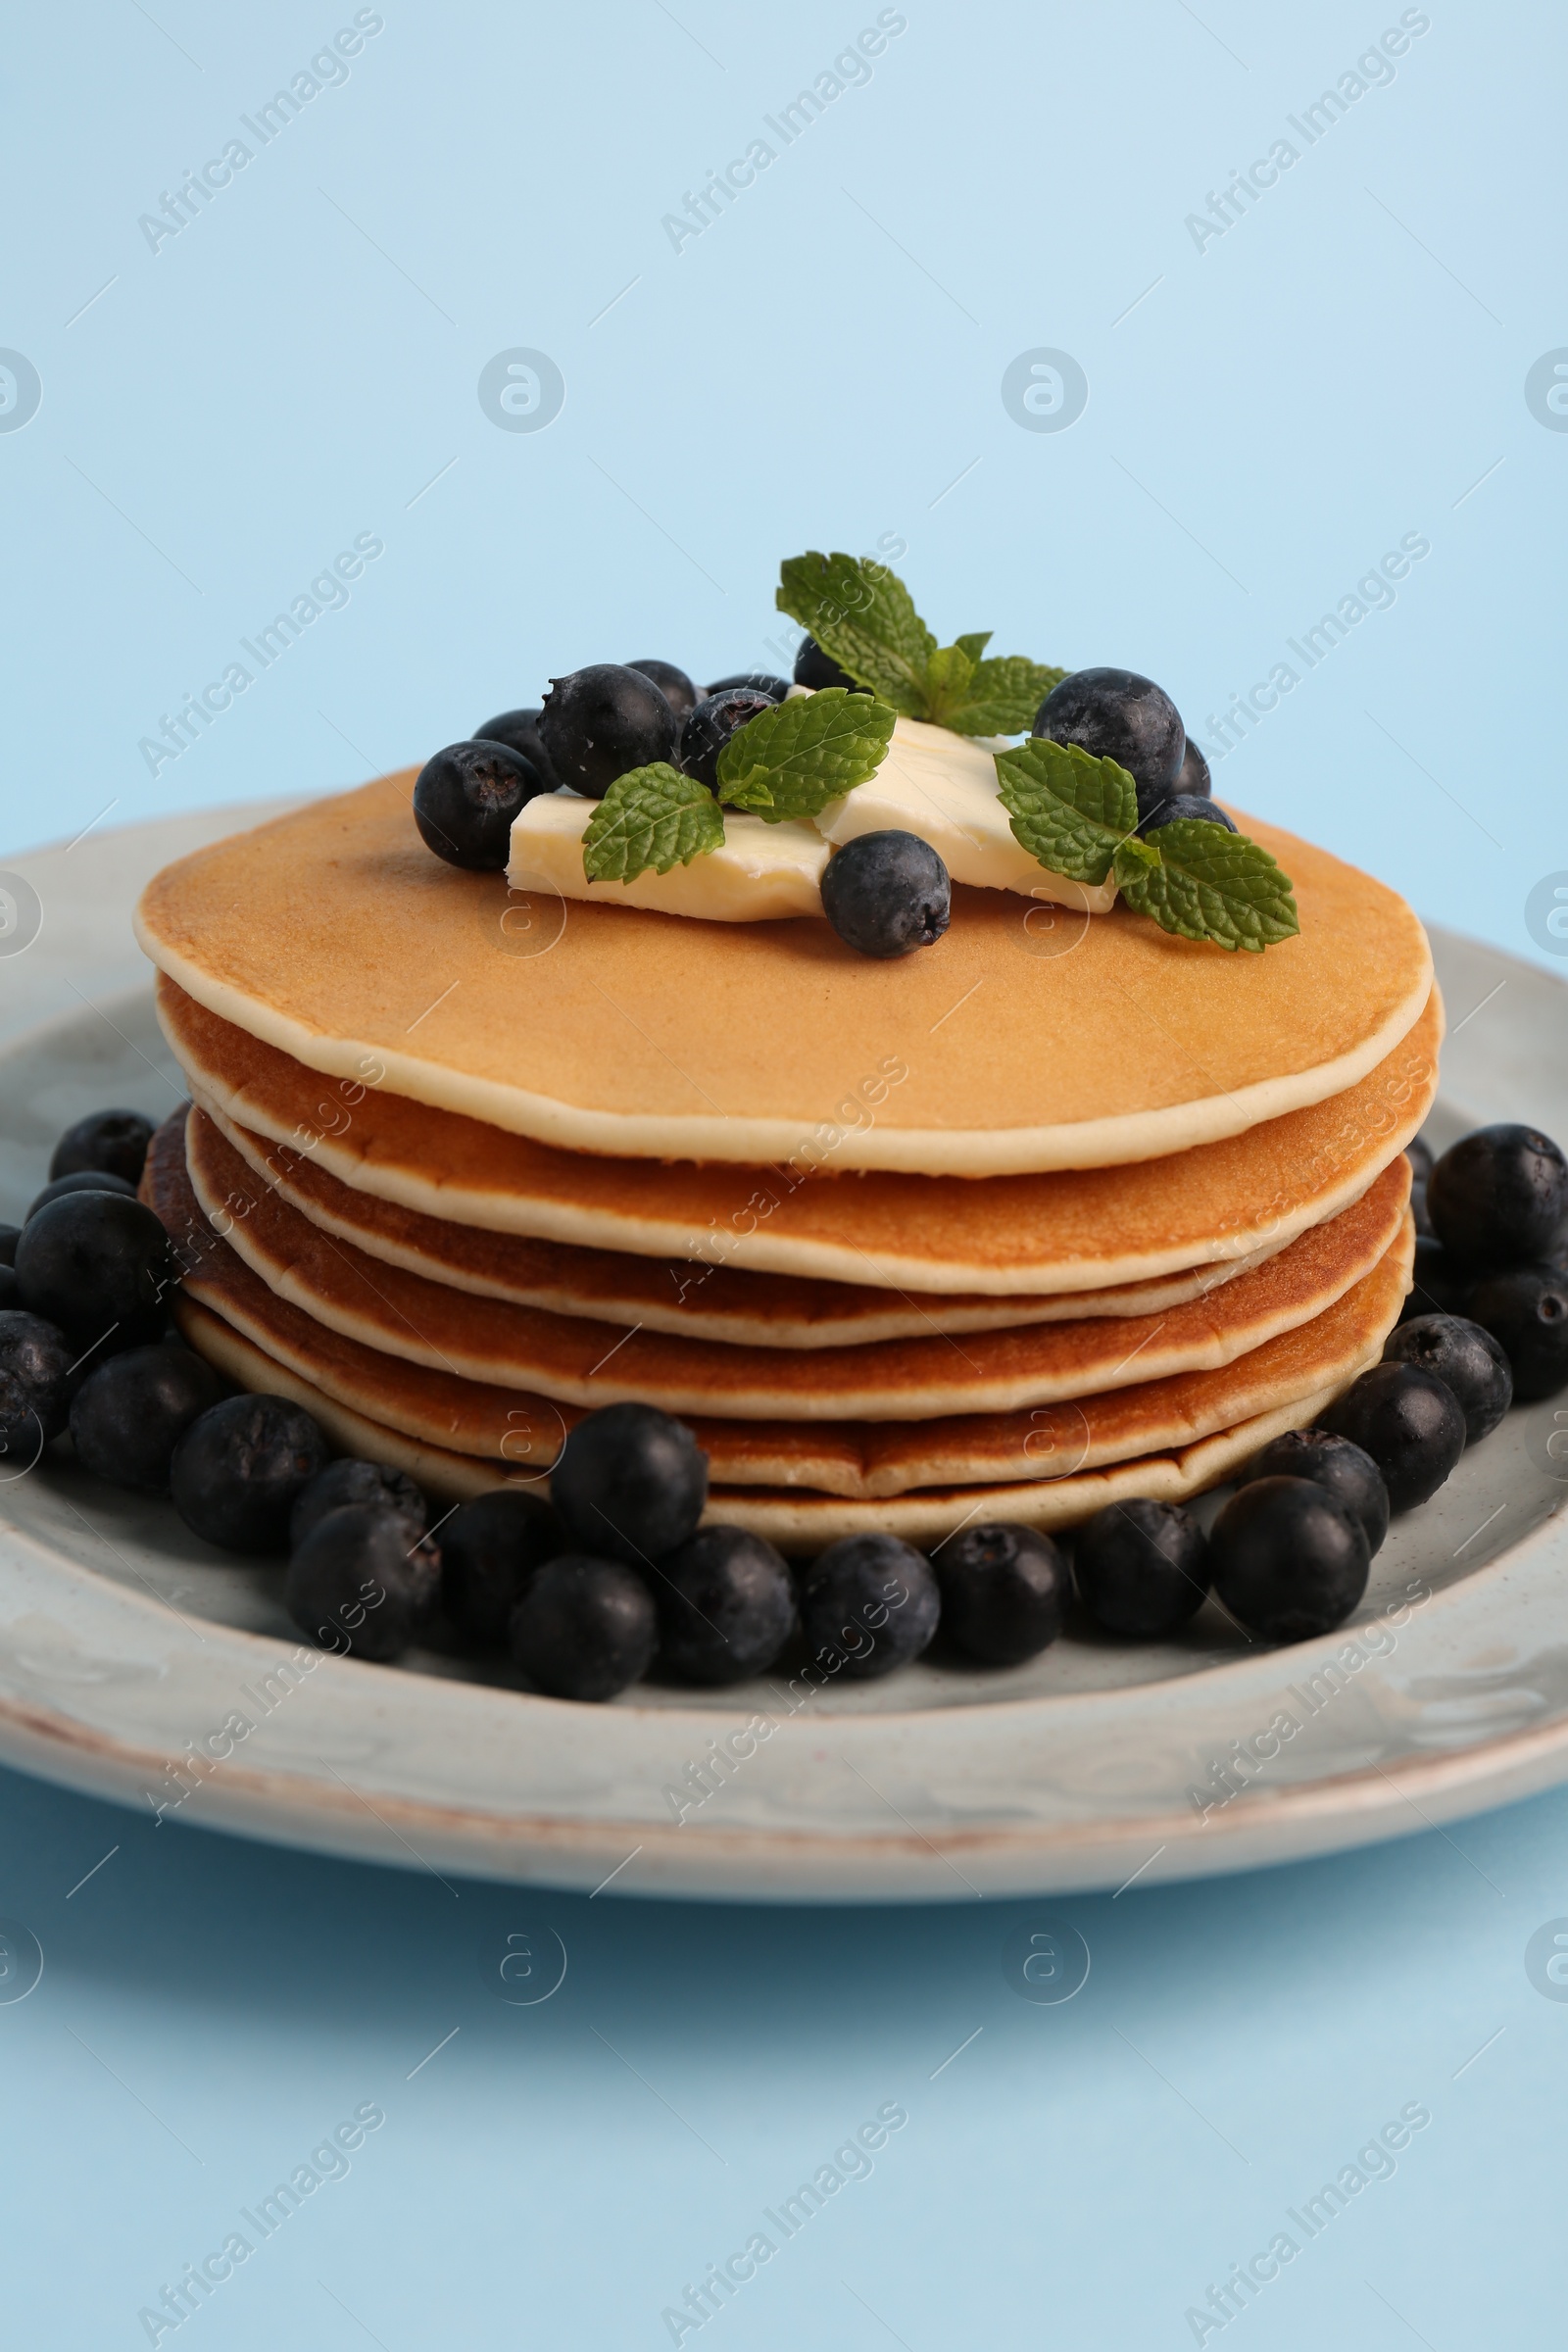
{"x": 793, "y": 760}
{"x": 652, "y": 816}
{"x": 1068, "y": 810}
{"x": 1003, "y": 697}
{"x": 976, "y": 645}
{"x": 865, "y": 619}
{"x": 1206, "y": 883}
{"x": 947, "y": 681}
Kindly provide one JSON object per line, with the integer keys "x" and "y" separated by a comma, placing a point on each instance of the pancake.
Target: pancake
{"x": 333, "y": 934}
{"x": 1044, "y": 1235}
{"x": 860, "y": 1460}
{"x": 796, "y": 1521}
{"x": 570, "y": 1359}
{"x": 694, "y": 1301}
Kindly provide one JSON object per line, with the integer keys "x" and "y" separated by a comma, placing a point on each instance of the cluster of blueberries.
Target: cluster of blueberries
{"x": 885, "y": 893}
{"x": 612, "y": 1574}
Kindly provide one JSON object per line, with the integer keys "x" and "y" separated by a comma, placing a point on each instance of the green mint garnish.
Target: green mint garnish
{"x": 1002, "y": 697}
{"x": 792, "y": 760}
{"x": 1078, "y": 816}
{"x": 652, "y": 816}
{"x": 863, "y": 616}
{"x": 1067, "y": 809}
{"x": 865, "y": 619}
{"x": 1202, "y": 882}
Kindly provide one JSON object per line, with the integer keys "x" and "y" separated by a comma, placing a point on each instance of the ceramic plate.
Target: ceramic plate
{"x": 137, "y": 1664}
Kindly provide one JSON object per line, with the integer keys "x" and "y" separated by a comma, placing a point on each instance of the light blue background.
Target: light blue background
{"x": 821, "y": 366}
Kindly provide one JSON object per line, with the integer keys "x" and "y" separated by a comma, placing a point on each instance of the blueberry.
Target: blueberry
{"x": 1173, "y": 805}
{"x": 1116, "y": 714}
{"x": 1409, "y": 1422}
{"x": 631, "y": 1484}
{"x": 1418, "y": 1152}
{"x": 1003, "y": 1589}
{"x": 1466, "y": 1359}
{"x": 1498, "y": 1195}
{"x": 1288, "y": 1560}
{"x": 128, "y": 1415}
{"x": 1419, "y": 1213}
{"x": 673, "y": 683}
{"x": 870, "y": 1603}
{"x": 710, "y": 727}
{"x": 1441, "y": 1283}
{"x": 817, "y": 669}
{"x": 80, "y": 1179}
{"x": 1526, "y": 1310}
{"x": 10, "y": 1288}
{"x": 240, "y": 1468}
{"x": 371, "y": 1484}
{"x": 1141, "y": 1567}
{"x": 1346, "y": 1471}
{"x": 10, "y": 1236}
{"x": 600, "y": 722}
{"x": 519, "y": 730}
{"x": 1193, "y": 775}
{"x": 585, "y": 1627}
{"x": 887, "y": 894}
{"x": 114, "y": 1143}
{"x": 490, "y": 1551}
{"x": 726, "y": 1606}
{"x": 466, "y": 800}
{"x": 355, "y": 1584}
{"x": 100, "y": 1267}
{"x": 760, "y": 681}
{"x": 35, "y": 1364}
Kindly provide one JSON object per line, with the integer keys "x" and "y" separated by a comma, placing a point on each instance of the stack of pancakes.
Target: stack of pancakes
{"x": 1027, "y": 1222}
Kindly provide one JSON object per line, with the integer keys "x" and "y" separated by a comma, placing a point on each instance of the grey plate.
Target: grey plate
{"x": 138, "y": 1664}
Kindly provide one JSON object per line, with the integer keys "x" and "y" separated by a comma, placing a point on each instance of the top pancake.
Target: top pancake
{"x": 335, "y": 935}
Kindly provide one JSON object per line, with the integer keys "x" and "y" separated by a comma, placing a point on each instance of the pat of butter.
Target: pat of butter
{"x": 943, "y": 787}
{"x": 763, "y": 873}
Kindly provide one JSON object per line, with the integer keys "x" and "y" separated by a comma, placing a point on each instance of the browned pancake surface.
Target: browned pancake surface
{"x": 574, "y": 1360}
{"x": 795, "y": 1519}
{"x": 690, "y": 1299}
{"x": 336, "y": 935}
{"x": 1066, "y": 1231}
{"x": 848, "y": 1459}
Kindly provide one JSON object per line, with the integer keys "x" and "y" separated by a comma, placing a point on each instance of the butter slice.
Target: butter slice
{"x": 943, "y": 787}
{"x": 763, "y": 873}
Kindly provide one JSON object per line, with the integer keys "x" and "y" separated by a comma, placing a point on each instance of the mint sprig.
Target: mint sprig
{"x": 1078, "y": 816}
{"x": 792, "y": 760}
{"x": 863, "y": 616}
{"x": 1202, "y": 882}
{"x": 1070, "y": 810}
{"x": 789, "y": 761}
{"x": 650, "y": 817}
